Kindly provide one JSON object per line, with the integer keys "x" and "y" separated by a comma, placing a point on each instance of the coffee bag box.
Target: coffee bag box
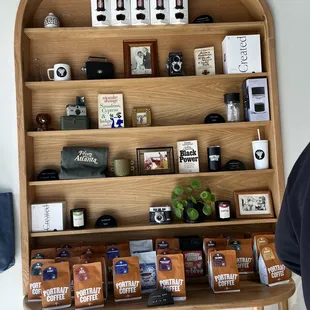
{"x": 101, "y": 13}
{"x": 223, "y": 272}
{"x": 258, "y": 241}
{"x": 49, "y": 253}
{"x": 178, "y": 12}
{"x": 204, "y": 61}
{"x": 126, "y": 278}
{"x": 35, "y": 278}
{"x": 271, "y": 271}
{"x": 193, "y": 263}
{"x": 242, "y": 54}
{"x": 88, "y": 293}
{"x": 159, "y": 12}
{"x": 244, "y": 253}
{"x": 120, "y": 13}
{"x": 167, "y": 243}
{"x": 56, "y": 291}
{"x": 140, "y": 246}
{"x": 171, "y": 276}
{"x": 48, "y": 217}
{"x": 140, "y": 12}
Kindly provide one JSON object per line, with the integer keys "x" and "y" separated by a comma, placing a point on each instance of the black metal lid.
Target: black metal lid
{"x": 231, "y": 97}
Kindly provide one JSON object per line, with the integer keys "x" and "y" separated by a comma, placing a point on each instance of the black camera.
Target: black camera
{"x": 160, "y": 215}
{"x": 98, "y": 68}
{"x": 175, "y": 64}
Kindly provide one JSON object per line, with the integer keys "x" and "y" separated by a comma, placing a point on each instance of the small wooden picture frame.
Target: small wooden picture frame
{"x": 153, "y": 161}
{"x": 254, "y": 204}
{"x": 140, "y": 59}
{"x": 141, "y": 117}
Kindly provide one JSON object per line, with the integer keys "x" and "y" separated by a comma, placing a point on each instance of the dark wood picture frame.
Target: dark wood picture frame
{"x": 148, "y": 113}
{"x": 269, "y": 209}
{"x": 141, "y": 170}
{"x": 152, "y": 44}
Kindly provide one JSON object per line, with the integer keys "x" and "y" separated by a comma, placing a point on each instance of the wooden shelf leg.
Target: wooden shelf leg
{"x": 283, "y": 305}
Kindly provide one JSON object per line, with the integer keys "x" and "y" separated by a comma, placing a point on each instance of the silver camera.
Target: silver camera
{"x": 78, "y": 109}
{"x": 160, "y": 215}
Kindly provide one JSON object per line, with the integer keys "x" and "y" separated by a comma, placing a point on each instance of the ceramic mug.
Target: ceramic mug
{"x": 62, "y": 72}
{"x": 122, "y": 167}
{"x": 261, "y": 154}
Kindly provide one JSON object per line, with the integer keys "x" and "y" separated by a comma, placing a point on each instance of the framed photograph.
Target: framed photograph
{"x": 140, "y": 59}
{"x": 152, "y": 161}
{"x": 253, "y": 204}
{"x": 141, "y": 117}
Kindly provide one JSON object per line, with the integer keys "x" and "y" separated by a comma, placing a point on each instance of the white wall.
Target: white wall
{"x": 293, "y": 44}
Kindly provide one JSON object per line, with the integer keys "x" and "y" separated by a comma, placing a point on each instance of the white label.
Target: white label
{"x": 224, "y": 212}
{"x": 78, "y": 220}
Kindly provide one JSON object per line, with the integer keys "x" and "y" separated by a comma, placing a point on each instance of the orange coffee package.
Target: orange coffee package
{"x": 258, "y": 241}
{"x": 92, "y": 249}
{"x": 217, "y": 244}
{"x": 126, "y": 278}
{"x": 244, "y": 253}
{"x": 115, "y": 251}
{"x": 167, "y": 243}
{"x": 234, "y": 235}
{"x": 43, "y": 253}
{"x": 171, "y": 275}
{"x": 73, "y": 252}
{"x": 168, "y": 252}
{"x": 223, "y": 272}
{"x": 88, "y": 292}
{"x": 35, "y": 278}
{"x": 271, "y": 270}
{"x": 56, "y": 290}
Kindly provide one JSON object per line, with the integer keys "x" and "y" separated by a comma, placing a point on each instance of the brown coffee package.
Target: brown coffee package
{"x": 115, "y": 251}
{"x": 126, "y": 278}
{"x": 244, "y": 253}
{"x": 258, "y": 241}
{"x": 35, "y": 278}
{"x": 223, "y": 272}
{"x": 167, "y": 243}
{"x": 56, "y": 290}
{"x": 171, "y": 275}
{"x": 43, "y": 253}
{"x": 271, "y": 270}
{"x": 73, "y": 252}
{"x": 92, "y": 249}
{"x": 102, "y": 261}
{"x": 168, "y": 252}
{"x": 88, "y": 292}
{"x": 215, "y": 244}
{"x": 234, "y": 235}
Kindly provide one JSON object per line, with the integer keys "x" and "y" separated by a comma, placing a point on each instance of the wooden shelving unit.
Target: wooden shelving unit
{"x": 179, "y": 106}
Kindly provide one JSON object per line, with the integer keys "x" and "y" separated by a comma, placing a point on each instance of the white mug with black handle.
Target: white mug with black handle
{"x": 62, "y": 72}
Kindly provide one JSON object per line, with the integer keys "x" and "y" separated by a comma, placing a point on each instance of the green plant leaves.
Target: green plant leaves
{"x": 213, "y": 198}
{"x": 180, "y": 205}
{"x": 192, "y": 214}
{"x": 205, "y": 196}
{"x": 173, "y": 196}
{"x": 207, "y": 210}
{"x": 184, "y": 202}
{"x": 178, "y": 190}
{"x": 178, "y": 213}
{"x": 196, "y": 184}
{"x": 189, "y": 190}
{"x": 192, "y": 198}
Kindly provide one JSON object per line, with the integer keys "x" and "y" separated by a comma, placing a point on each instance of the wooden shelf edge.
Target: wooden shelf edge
{"x": 152, "y": 227}
{"x": 146, "y": 130}
{"x": 77, "y": 84}
{"x": 144, "y": 178}
{"x": 142, "y": 31}
{"x": 200, "y": 297}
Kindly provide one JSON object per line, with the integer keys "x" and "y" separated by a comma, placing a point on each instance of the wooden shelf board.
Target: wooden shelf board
{"x": 200, "y": 296}
{"x": 153, "y": 227}
{"x": 143, "y": 31}
{"x": 80, "y": 84}
{"x": 144, "y": 178}
{"x": 145, "y": 130}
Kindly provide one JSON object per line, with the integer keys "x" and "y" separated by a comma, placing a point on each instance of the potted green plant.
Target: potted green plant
{"x": 192, "y": 202}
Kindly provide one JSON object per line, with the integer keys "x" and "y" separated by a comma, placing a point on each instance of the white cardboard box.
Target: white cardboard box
{"x": 140, "y": 12}
{"x": 242, "y": 54}
{"x": 48, "y": 216}
{"x": 101, "y": 13}
{"x": 120, "y": 13}
{"x": 204, "y": 61}
{"x": 178, "y": 12}
{"x": 159, "y": 12}
{"x": 188, "y": 156}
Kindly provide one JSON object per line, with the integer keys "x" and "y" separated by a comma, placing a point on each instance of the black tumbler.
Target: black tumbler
{"x": 214, "y": 158}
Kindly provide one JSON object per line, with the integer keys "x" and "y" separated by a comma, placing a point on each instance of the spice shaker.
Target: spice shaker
{"x": 232, "y": 101}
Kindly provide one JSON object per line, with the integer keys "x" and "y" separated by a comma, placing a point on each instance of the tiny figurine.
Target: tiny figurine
{"x": 51, "y": 21}
{"x": 43, "y": 121}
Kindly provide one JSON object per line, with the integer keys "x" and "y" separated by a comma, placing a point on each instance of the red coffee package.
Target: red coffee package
{"x": 171, "y": 276}
{"x": 88, "y": 292}
{"x": 193, "y": 263}
{"x": 126, "y": 278}
{"x": 56, "y": 291}
{"x": 35, "y": 278}
{"x": 49, "y": 253}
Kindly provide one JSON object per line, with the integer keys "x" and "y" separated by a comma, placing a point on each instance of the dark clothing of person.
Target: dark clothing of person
{"x": 293, "y": 228}
{"x": 147, "y": 61}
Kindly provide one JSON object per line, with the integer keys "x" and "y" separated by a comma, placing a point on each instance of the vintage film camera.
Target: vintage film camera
{"x": 175, "y": 64}
{"x": 160, "y": 215}
{"x": 98, "y": 68}
{"x": 78, "y": 109}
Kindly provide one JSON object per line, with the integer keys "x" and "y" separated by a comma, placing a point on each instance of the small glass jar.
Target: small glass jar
{"x": 232, "y": 102}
